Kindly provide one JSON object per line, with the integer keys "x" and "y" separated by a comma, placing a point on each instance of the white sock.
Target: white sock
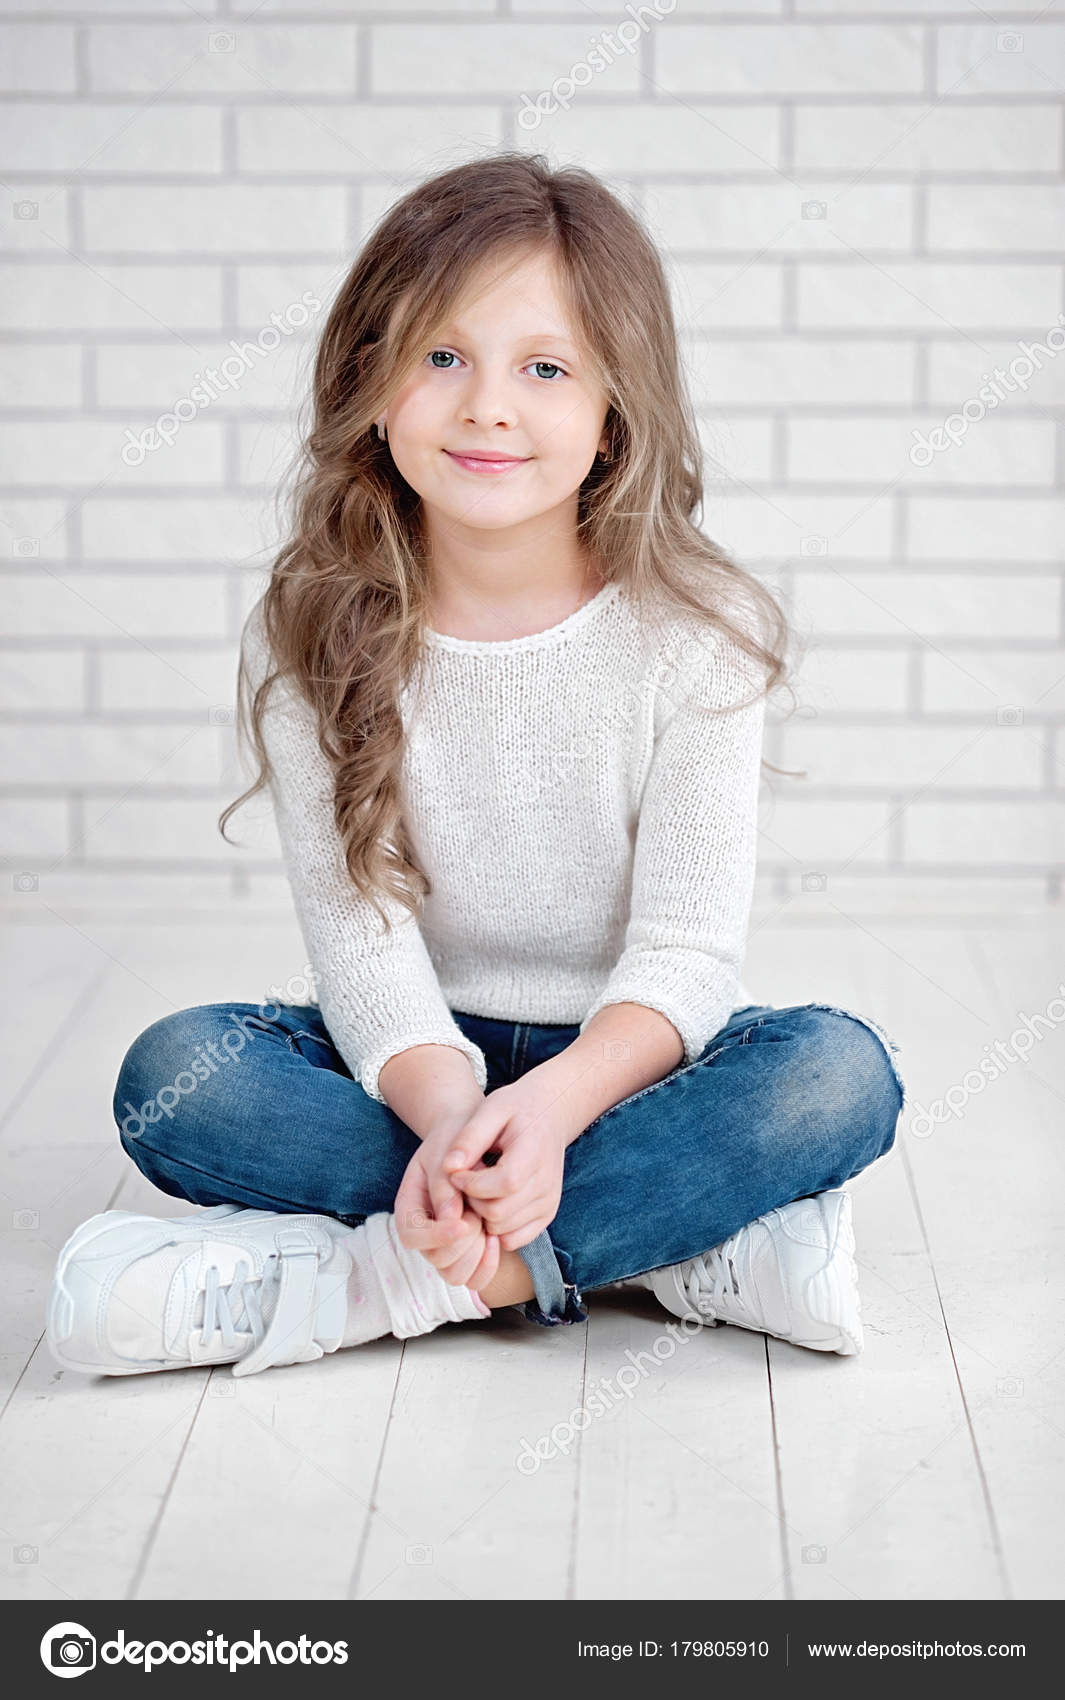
{"x": 393, "y": 1290}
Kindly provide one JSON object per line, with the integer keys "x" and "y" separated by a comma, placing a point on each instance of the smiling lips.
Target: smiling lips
{"x": 490, "y": 464}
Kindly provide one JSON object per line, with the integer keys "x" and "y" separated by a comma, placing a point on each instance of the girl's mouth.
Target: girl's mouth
{"x": 486, "y": 465}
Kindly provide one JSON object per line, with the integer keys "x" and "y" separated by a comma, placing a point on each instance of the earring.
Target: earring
{"x": 382, "y": 430}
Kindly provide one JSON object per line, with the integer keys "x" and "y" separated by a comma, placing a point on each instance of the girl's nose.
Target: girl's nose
{"x": 486, "y": 401}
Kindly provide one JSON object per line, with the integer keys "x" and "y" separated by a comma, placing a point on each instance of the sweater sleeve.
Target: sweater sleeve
{"x": 696, "y": 846}
{"x": 377, "y": 991}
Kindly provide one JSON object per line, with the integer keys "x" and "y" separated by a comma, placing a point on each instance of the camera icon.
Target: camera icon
{"x": 220, "y": 714}
{"x": 24, "y": 1219}
{"x": 221, "y": 41}
{"x": 419, "y": 1555}
{"x": 814, "y": 209}
{"x": 27, "y": 546}
{"x": 814, "y": 546}
{"x": 26, "y": 209}
{"x": 1009, "y": 1387}
{"x": 617, "y": 1050}
{"x": 1008, "y": 41}
{"x": 814, "y": 882}
{"x": 222, "y": 1387}
{"x": 24, "y": 1554}
{"x": 69, "y": 1649}
{"x": 1009, "y": 714}
{"x": 814, "y": 1555}
{"x": 24, "y": 882}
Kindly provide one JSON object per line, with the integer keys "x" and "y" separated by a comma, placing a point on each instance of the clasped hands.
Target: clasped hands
{"x": 461, "y": 1211}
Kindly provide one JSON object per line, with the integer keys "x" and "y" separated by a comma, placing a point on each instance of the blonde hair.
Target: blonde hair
{"x": 348, "y": 595}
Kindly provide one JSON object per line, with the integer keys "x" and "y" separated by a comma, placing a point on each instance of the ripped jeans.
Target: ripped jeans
{"x": 783, "y": 1103}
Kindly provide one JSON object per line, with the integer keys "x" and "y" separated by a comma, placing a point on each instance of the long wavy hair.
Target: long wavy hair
{"x": 348, "y": 595}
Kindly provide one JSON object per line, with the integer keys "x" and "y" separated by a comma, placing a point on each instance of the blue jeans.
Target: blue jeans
{"x": 221, "y": 1103}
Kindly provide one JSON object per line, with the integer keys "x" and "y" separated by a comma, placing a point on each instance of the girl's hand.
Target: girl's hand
{"x": 518, "y": 1194}
{"x": 433, "y": 1217}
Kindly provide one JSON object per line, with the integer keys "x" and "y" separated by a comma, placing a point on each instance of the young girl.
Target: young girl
{"x": 509, "y": 702}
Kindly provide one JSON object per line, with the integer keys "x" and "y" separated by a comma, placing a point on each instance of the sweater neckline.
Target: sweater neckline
{"x": 531, "y": 640}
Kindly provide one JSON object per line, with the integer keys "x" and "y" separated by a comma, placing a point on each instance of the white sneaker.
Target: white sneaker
{"x": 249, "y": 1287}
{"x": 791, "y": 1273}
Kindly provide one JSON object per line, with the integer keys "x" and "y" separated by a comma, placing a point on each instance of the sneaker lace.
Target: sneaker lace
{"x": 290, "y": 1279}
{"x": 222, "y": 1306}
{"x": 711, "y": 1284}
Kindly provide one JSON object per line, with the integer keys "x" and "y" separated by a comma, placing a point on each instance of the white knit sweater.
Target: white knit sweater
{"x": 590, "y": 835}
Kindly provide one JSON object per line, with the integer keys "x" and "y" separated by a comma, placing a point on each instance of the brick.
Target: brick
{"x": 719, "y": 295}
{"x": 789, "y": 58}
{"x": 134, "y": 680}
{"x": 771, "y": 216}
{"x": 950, "y": 527}
{"x": 1015, "y": 834}
{"x": 927, "y": 295}
{"x": 790, "y": 370}
{"x": 969, "y": 60}
{"x": 40, "y": 375}
{"x": 87, "y": 452}
{"x": 983, "y": 218}
{"x": 899, "y": 140}
{"x": 821, "y": 832}
{"x": 169, "y": 830}
{"x": 736, "y": 448}
{"x": 358, "y": 140}
{"x": 113, "y": 605}
{"x": 156, "y": 375}
{"x": 109, "y": 297}
{"x": 41, "y": 678}
{"x": 832, "y": 681}
{"x": 266, "y": 58}
{"x": 215, "y": 219}
{"x": 35, "y": 530}
{"x": 921, "y": 895}
{"x": 996, "y": 450}
{"x": 211, "y": 529}
{"x": 37, "y": 58}
{"x": 31, "y": 828}
{"x": 37, "y": 221}
{"x": 789, "y": 524}
{"x": 93, "y": 137}
{"x": 958, "y": 371}
{"x": 263, "y": 289}
{"x": 916, "y": 605}
{"x": 911, "y": 757}
{"x": 985, "y": 681}
{"x": 127, "y": 755}
{"x": 493, "y": 58}
{"x": 658, "y": 138}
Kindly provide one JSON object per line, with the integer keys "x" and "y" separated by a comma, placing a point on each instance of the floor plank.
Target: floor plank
{"x": 454, "y": 1514}
{"x": 882, "y": 1489}
{"x": 678, "y": 1487}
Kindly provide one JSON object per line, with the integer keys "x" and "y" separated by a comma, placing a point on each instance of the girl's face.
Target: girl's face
{"x": 500, "y": 423}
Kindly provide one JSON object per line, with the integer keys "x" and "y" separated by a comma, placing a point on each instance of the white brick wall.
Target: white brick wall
{"x": 861, "y": 204}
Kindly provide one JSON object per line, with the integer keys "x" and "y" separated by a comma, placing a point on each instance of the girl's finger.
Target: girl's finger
{"x": 488, "y": 1267}
{"x": 458, "y": 1274}
{"x": 515, "y": 1238}
{"x": 480, "y": 1183}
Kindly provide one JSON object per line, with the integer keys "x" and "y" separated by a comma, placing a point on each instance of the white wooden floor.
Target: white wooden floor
{"x": 929, "y": 1467}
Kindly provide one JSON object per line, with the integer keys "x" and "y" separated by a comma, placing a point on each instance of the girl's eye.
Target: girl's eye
{"x": 548, "y": 370}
